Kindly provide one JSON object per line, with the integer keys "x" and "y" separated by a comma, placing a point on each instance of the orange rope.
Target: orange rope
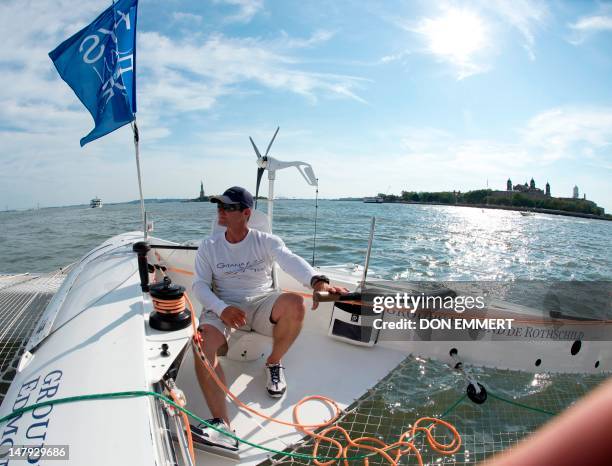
{"x": 169, "y": 306}
{"x": 401, "y": 447}
{"x": 187, "y": 425}
{"x": 197, "y": 338}
{"x": 181, "y": 271}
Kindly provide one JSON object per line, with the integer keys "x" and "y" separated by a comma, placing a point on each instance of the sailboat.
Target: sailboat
{"x": 107, "y": 375}
{"x": 101, "y": 335}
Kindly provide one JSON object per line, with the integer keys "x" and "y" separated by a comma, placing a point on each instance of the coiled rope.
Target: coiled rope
{"x": 390, "y": 452}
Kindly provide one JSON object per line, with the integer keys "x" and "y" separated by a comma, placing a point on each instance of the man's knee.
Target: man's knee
{"x": 212, "y": 342}
{"x": 293, "y": 307}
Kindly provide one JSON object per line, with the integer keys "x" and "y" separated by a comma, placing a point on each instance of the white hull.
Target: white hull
{"x": 101, "y": 342}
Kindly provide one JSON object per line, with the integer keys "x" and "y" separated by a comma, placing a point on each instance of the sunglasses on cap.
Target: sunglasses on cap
{"x": 229, "y": 207}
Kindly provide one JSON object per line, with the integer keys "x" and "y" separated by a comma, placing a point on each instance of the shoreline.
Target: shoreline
{"x": 515, "y": 208}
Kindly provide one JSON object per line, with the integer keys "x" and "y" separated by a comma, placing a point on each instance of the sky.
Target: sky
{"x": 377, "y": 96}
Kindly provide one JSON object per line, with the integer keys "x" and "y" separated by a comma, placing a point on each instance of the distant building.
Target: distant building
{"x": 527, "y": 188}
{"x": 528, "y": 194}
{"x": 521, "y": 188}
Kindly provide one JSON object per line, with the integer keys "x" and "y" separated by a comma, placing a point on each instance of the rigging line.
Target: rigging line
{"x": 521, "y": 405}
{"x": 314, "y": 238}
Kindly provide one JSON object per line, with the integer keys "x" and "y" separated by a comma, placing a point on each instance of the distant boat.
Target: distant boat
{"x": 95, "y": 202}
{"x": 373, "y": 200}
{"x": 526, "y": 214}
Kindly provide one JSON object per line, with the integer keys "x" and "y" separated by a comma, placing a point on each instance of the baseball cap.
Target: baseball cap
{"x": 235, "y": 195}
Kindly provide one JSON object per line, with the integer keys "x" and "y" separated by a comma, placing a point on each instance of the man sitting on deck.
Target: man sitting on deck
{"x": 233, "y": 281}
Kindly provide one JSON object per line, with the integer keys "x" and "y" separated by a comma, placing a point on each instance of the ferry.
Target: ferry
{"x": 96, "y": 202}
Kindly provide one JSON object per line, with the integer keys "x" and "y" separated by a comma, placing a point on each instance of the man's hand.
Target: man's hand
{"x": 322, "y": 286}
{"x": 233, "y": 316}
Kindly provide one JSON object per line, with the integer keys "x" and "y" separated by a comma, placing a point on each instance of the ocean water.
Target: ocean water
{"x": 411, "y": 243}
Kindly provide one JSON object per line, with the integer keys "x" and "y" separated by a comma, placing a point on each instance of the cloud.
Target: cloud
{"x": 523, "y": 15}
{"x": 317, "y": 38}
{"x": 247, "y": 9}
{"x": 589, "y": 25}
{"x": 565, "y": 133}
{"x": 189, "y": 75}
{"x": 571, "y": 132}
{"x": 593, "y": 23}
{"x": 175, "y": 75}
{"x": 186, "y": 17}
{"x": 395, "y": 57}
{"x": 457, "y": 36}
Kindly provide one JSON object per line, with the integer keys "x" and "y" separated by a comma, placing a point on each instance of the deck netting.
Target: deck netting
{"x": 485, "y": 429}
{"x": 23, "y": 299}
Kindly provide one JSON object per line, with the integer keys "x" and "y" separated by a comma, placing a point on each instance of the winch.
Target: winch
{"x": 169, "y": 303}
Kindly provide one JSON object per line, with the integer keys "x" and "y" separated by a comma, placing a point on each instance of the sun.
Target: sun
{"x": 456, "y": 36}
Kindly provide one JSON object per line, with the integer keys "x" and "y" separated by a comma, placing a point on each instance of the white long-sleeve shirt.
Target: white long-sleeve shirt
{"x": 235, "y": 271}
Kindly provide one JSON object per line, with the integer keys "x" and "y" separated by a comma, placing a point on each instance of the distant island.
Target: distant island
{"x": 202, "y": 197}
{"x": 522, "y": 197}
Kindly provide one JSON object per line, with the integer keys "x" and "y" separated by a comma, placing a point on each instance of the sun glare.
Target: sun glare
{"x": 455, "y": 36}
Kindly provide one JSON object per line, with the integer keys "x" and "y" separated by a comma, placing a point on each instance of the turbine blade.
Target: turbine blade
{"x": 272, "y": 140}
{"x": 255, "y": 147}
{"x": 260, "y": 172}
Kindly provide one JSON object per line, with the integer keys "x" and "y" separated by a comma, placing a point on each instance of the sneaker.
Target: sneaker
{"x": 275, "y": 380}
{"x": 209, "y": 437}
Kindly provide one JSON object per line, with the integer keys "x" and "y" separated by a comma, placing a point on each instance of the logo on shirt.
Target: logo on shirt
{"x": 234, "y": 269}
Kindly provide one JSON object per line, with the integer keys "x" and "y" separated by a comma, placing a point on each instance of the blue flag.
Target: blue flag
{"x": 99, "y": 64}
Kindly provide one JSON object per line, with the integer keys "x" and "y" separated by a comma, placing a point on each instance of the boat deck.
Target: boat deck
{"x": 312, "y": 368}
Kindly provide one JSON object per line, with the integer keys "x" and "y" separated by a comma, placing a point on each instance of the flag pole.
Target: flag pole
{"x": 136, "y": 148}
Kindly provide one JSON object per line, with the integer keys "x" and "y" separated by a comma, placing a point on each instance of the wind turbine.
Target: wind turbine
{"x": 271, "y": 164}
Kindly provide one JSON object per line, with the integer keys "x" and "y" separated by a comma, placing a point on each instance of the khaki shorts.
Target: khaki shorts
{"x": 258, "y": 315}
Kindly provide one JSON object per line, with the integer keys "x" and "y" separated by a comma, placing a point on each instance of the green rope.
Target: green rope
{"x": 521, "y": 405}
{"x": 453, "y": 406}
{"x": 141, "y": 393}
